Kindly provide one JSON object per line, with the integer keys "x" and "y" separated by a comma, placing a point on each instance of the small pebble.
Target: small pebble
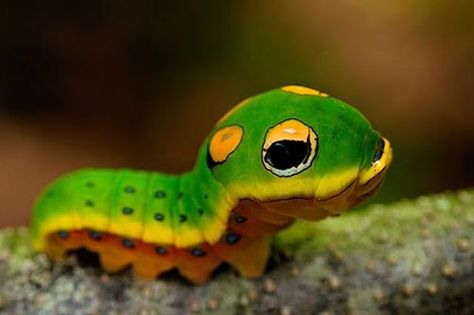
{"x": 463, "y": 244}
{"x": 448, "y": 271}
{"x": 195, "y": 307}
{"x": 432, "y": 288}
{"x": 285, "y": 310}
{"x": 470, "y": 219}
{"x": 392, "y": 260}
{"x": 104, "y": 278}
{"x": 244, "y": 300}
{"x": 147, "y": 291}
{"x": 295, "y": 272}
{"x": 334, "y": 282}
{"x": 370, "y": 266}
{"x": 212, "y": 304}
{"x": 408, "y": 290}
{"x": 269, "y": 286}
{"x": 378, "y": 296}
{"x": 417, "y": 270}
{"x": 425, "y": 234}
{"x": 253, "y": 295}
{"x": 5, "y": 255}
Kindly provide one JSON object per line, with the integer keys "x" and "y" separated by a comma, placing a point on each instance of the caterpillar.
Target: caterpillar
{"x": 289, "y": 153}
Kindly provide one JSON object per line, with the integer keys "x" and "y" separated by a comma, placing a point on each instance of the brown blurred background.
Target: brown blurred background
{"x": 140, "y": 83}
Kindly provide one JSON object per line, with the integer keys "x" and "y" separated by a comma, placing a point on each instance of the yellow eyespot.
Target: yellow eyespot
{"x": 223, "y": 143}
{"x": 289, "y": 148}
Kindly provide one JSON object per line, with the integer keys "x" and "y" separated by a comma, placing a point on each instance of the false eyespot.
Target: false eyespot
{"x": 223, "y": 143}
{"x": 289, "y": 148}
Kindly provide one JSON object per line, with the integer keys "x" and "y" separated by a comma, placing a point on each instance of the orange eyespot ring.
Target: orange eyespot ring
{"x": 224, "y": 142}
{"x": 289, "y": 148}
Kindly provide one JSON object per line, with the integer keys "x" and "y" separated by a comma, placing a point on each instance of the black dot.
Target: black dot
{"x": 200, "y": 211}
{"x": 96, "y": 236}
{"x": 180, "y": 195}
{"x": 89, "y": 203}
{"x": 206, "y": 196}
{"x": 232, "y": 239}
{"x": 159, "y": 217}
{"x": 183, "y": 218}
{"x": 128, "y": 243}
{"x": 160, "y": 194}
{"x": 160, "y": 250}
{"x": 127, "y": 210}
{"x": 129, "y": 190}
{"x": 240, "y": 219}
{"x": 63, "y": 234}
{"x": 197, "y": 252}
{"x": 90, "y": 185}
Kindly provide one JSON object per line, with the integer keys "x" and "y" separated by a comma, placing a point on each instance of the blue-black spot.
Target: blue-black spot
{"x": 200, "y": 211}
{"x": 63, "y": 234}
{"x": 160, "y": 194}
{"x": 89, "y": 203}
{"x": 128, "y": 243}
{"x": 240, "y": 219}
{"x": 197, "y": 252}
{"x": 159, "y": 217}
{"x": 129, "y": 190}
{"x": 232, "y": 239}
{"x": 206, "y": 196}
{"x": 127, "y": 210}
{"x": 90, "y": 185}
{"x": 183, "y": 218}
{"x": 96, "y": 236}
{"x": 180, "y": 195}
{"x": 160, "y": 250}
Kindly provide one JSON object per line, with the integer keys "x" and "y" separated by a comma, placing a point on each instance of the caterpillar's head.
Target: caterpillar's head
{"x": 297, "y": 149}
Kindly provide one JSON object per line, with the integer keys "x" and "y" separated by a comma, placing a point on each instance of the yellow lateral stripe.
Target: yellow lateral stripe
{"x": 331, "y": 185}
{"x": 378, "y": 166}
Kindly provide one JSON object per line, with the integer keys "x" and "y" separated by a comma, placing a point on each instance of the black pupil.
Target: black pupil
{"x": 286, "y": 154}
{"x": 379, "y": 151}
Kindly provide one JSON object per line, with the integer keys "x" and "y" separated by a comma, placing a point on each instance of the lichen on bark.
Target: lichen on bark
{"x": 414, "y": 256}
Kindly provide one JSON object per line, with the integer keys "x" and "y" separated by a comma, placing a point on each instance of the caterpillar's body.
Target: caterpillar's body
{"x": 285, "y": 154}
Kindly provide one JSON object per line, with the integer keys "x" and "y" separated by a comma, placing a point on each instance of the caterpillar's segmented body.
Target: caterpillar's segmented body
{"x": 265, "y": 164}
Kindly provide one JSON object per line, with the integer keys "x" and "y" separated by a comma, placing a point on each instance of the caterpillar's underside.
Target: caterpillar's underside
{"x": 246, "y": 236}
{"x": 151, "y": 260}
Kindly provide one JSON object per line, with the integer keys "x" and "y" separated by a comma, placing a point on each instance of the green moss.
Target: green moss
{"x": 393, "y": 224}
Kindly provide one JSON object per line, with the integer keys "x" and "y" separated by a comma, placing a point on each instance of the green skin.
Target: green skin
{"x": 195, "y": 200}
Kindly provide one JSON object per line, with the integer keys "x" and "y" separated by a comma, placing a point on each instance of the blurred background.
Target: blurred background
{"x": 140, "y": 83}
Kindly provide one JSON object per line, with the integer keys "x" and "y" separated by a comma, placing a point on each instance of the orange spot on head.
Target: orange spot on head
{"x": 224, "y": 142}
{"x": 302, "y": 90}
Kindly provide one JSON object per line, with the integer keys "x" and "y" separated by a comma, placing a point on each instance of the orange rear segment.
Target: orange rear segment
{"x": 197, "y": 263}
{"x": 249, "y": 255}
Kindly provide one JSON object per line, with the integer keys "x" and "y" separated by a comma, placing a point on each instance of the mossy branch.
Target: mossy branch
{"x": 415, "y": 256}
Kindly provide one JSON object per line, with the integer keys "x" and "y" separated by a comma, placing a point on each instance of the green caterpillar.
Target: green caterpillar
{"x": 288, "y": 153}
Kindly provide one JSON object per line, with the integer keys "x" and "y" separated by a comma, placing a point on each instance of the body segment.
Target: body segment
{"x": 285, "y": 154}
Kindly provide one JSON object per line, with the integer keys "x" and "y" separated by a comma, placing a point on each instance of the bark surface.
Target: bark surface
{"x": 414, "y": 256}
